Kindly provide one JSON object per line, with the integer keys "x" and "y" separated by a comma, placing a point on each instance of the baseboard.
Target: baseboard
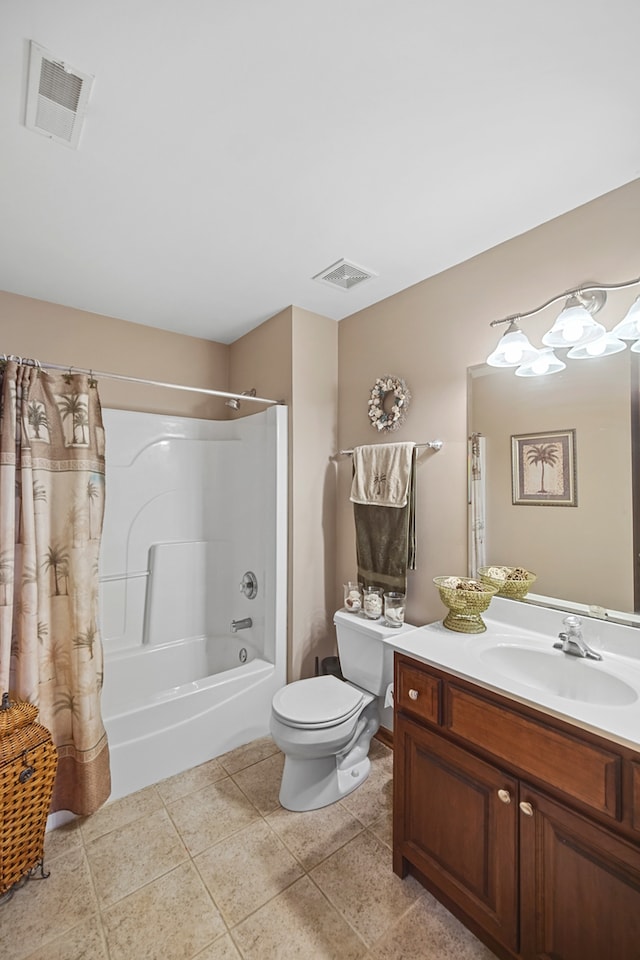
{"x": 385, "y": 736}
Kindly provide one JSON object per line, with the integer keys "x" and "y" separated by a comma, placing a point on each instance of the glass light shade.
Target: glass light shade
{"x": 544, "y": 364}
{"x": 629, "y": 326}
{"x": 603, "y": 347}
{"x": 513, "y": 349}
{"x": 574, "y": 327}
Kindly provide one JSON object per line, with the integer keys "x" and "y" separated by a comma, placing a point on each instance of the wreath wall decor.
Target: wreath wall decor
{"x": 388, "y": 403}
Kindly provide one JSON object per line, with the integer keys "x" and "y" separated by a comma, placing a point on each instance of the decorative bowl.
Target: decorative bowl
{"x": 515, "y": 584}
{"x": 466, "y": 599}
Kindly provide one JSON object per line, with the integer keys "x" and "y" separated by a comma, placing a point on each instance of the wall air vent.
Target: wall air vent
{"x": 57, "y": 97}
{"x": 344, "y": 275}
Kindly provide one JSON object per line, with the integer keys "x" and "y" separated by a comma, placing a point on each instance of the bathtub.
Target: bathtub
{"x": 172, "y": 707}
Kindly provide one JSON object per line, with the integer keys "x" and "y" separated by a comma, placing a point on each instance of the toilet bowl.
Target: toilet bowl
{"x": 324, "y": 725}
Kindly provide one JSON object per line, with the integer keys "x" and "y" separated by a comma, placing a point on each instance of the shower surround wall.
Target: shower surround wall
{"x": 191, "y": 505}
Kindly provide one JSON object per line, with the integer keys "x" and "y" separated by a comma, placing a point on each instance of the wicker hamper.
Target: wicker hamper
{"x": 28, "y": 761}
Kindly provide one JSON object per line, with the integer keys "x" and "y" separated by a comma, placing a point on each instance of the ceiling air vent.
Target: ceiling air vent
{"x": 344, "y": 275}
{"x": 57, "y": 97}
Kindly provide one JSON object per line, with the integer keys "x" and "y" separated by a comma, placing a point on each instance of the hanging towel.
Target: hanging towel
{"x": 382, "y": 474}
{"x": 385, "y": 535}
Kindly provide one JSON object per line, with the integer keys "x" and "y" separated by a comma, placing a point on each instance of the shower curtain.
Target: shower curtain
{"x": 477, "y": 503}
{"x": 51, "y": 510}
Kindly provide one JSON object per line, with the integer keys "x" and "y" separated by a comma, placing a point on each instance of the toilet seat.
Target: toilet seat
{"x": 317, "y": 703}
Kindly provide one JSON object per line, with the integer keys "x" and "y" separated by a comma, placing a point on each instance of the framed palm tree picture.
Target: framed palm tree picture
{"x": 543, "y": 468}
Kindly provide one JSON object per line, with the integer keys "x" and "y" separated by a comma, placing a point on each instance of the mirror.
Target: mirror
{"x": 584, "y": 552}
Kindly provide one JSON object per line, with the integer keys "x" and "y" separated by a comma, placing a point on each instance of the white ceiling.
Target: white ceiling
{"x": 235, "y": 148}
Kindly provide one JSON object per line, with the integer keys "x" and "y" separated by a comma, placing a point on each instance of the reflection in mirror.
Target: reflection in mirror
{"x": 582, "y": 553}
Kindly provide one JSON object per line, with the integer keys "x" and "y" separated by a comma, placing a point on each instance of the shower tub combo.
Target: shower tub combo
{"x": 193, "y": 588}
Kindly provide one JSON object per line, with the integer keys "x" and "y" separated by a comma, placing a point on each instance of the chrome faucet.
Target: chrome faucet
{"x": 572, "y": 641}
{"x": 241, "y": 624}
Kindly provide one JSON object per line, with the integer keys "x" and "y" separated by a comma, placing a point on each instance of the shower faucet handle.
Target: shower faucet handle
{"x": 249, "y": 585}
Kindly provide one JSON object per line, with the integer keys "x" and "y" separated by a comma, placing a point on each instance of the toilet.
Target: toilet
{"x": 324, "y": 725}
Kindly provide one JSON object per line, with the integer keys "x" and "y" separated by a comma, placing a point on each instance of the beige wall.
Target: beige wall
{"x": 57, "y": 334}
{"x": 262, "y": 359}
{"x": 313, "y": 496}
{"x": 294, "y": 356}
{"x": 430, "y": 333}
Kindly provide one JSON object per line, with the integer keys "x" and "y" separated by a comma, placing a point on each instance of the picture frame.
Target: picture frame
{"x": 543, "y": 468}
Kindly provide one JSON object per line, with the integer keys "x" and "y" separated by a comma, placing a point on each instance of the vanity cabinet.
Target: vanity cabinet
{"x": 456, "y": 830}
{"x": 580, "y": 886}
{"x": 523, "y": 825}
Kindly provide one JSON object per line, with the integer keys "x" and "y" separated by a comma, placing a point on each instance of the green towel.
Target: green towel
{"x": 386, "y": 542}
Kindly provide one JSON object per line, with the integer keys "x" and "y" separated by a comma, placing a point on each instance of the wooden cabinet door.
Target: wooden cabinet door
{"x": 456, "y": 820}
{"x": 580, "y": 886}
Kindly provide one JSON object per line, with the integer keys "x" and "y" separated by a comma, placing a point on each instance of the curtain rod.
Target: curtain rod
{"x": 149, "y": 383}
{"x": 430, "y": 444}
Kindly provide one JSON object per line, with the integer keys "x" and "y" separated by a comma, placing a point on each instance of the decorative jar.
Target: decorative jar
{"x": 372, "y": 603}
{"x": 352, "y": 597}
{"x": 394, "y": 604}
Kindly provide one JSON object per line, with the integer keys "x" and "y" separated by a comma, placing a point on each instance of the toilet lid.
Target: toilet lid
{"x": 317, "y": 702}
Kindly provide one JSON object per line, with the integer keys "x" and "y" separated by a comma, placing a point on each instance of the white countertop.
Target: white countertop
{"x": 462, "y": 655}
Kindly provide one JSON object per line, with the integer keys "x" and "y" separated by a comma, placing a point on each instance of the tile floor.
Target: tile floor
{"x": 208, "y": 866}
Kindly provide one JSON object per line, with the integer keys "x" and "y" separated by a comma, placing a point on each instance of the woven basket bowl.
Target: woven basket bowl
{"x": 465, "y": 606}
{"x": 465, "y": 601}
{"x": 513, "y": 589}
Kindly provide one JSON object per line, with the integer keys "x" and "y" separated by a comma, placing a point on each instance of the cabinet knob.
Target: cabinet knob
{"x": 413, "y": 694}
{"x": 526, "y": 808}
{"x": 504, "y": 795}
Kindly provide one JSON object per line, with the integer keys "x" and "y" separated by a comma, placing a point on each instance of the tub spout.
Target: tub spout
{"x": 241, "y": 624}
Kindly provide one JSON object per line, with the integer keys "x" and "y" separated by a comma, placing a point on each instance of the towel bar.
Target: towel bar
{"x": 431, "y": 444}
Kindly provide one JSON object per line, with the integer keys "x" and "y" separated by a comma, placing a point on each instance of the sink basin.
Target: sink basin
{"x": 559, "y": 674}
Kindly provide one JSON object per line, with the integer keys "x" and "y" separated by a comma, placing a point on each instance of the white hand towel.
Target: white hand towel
{"x": 382, "y": 474}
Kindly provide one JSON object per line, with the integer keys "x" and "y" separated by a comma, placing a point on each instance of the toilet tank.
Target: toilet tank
{"x": 365, "y": 658}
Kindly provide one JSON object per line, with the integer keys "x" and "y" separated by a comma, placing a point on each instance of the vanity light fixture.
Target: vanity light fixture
{"x": 629, "y": 327}
{"x": 575, "y": 326}
{"x": 514, "y": 348}
{"x": 543, "y": 364}
{"x": 574, "y": 330}
{"x": 604, "y": 346}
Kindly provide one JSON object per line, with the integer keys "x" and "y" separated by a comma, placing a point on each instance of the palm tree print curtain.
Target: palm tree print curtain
{"x": 51, "y": 510}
